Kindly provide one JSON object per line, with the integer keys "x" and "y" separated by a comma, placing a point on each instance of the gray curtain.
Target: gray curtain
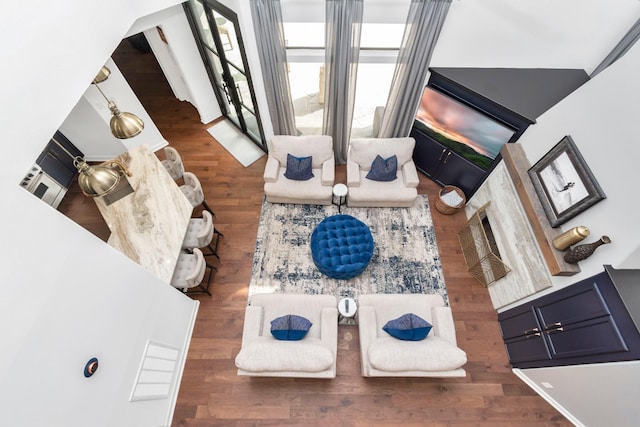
{"x": 424, "y": 22}
{"x": 621, "y": 48}
{"x": 342, "y": 47}
{"x": 267, "y": 21}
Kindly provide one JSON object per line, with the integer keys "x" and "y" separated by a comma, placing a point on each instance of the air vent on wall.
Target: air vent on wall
{"x": 157, "y": 372}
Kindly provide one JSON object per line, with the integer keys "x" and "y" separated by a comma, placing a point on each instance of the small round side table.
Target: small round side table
{"x": 347, "y": 309}
{"x": 340, "y": 194}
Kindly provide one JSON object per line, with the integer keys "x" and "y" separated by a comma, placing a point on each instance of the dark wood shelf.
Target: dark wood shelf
{"x": 517, "y": 165}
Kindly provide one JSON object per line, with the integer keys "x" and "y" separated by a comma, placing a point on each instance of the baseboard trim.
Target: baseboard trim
{"x": 547, "y": 397}
{"x": 208, "y": 119}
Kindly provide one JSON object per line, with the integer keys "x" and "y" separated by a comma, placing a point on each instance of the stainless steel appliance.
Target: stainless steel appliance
{"x": 43, "y": 186}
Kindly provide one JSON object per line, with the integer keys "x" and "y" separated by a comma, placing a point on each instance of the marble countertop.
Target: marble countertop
{"x": 149, "y": 224}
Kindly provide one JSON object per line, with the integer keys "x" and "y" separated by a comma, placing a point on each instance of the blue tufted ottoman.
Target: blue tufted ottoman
{"x": 341, "y": 246}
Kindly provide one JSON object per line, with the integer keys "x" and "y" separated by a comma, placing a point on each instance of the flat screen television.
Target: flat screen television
{"x": 473, "y": 135}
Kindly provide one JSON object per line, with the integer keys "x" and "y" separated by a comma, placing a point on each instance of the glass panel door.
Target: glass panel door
{"x": 202, "y": 30}
{"x": 223, "y": 53}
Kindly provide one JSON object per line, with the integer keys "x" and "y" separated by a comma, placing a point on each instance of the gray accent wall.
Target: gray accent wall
{"x": 527, "y": 91}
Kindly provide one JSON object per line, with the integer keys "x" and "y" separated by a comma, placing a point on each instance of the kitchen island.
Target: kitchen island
{"x": 148, "y": 225}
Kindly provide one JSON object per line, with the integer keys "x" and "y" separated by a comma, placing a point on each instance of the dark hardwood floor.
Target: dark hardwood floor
{"x": 212, "y": 394}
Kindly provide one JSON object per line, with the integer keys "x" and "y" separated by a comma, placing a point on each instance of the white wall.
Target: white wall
{"x": 532, "y": 33}
{"x": 87, "y": 125}
{"x": 180, "y": 59}
{"x": 66, "y": 295}
{"x": 602, "y": 117}
{"x": 593, "y": 396}
{"x": 170, "y": 68}
{"x": 86, "y": 129}
{"x": 72, "y": 41}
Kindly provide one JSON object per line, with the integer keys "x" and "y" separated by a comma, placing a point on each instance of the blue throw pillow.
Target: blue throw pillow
{"x": 298, "y": 168}
{"x": 383, "y": 169}
{"x": 408, "y": 327}
{"x": 290, "y": 327}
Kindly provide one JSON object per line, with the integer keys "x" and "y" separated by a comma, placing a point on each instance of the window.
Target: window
{"x": 382, "y": 31}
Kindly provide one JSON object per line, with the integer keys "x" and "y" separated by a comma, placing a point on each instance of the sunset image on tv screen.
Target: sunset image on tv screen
{"x": 476, "y": 137}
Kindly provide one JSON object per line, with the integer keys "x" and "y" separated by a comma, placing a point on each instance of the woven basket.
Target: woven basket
{"x": 444, "y": 208}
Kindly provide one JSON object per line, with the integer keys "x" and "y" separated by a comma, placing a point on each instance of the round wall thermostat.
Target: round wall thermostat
{"x": 91, "y": 367}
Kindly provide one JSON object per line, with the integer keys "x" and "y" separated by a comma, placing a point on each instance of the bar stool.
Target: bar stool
{"x": 200, "y": 233}
{"x": 193, "y": 191}
{"x": 189, "y": 273}
{"x": 173, "y": 163}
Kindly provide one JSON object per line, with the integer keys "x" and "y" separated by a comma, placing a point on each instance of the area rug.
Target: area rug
{"x": 236, "y": 143}
{"x": 405, "y": 258}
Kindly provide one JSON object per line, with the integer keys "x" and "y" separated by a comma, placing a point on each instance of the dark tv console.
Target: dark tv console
{"x": 515, "y": 97}
{"x": 444, "y": 165}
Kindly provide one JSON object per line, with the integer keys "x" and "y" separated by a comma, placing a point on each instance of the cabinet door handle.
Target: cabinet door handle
{"x": 442, "y": 154}
{"x": 530, "y": 331}
{"x": 553, "y": 326}
{"x": 560, "y": 329}
{"x": 447, "y": 158}
{"x": 537, "y": 334}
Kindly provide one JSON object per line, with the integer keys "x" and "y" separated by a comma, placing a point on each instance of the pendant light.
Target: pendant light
{"x": 96, "y": 181}
{"x": 123, "y": 125}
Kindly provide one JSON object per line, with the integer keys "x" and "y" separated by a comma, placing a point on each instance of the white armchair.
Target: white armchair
{"x": 313, "y": 357}
{"x": 363, "y": 192}
{"x": 382, "y": 355}
{"x": 315, "y": 191}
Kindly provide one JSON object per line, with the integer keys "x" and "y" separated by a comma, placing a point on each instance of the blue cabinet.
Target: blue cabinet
{"x": 587, "y": 322}
{"x": 444, "y": 166}
{"x": 58, "y": 163}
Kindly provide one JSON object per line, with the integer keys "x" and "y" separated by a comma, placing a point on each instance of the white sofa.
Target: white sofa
{"x": 382, "y": 355}
{"x": 315, "y": 191}
{"x": 313, "y": 357}
{"x": 363, "y": 192}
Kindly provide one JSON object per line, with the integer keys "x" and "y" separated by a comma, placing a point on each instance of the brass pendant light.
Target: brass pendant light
{"x": 102, "y": 75}
{"x": 123, "y": 125}
{"x": 96, "y": 181}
